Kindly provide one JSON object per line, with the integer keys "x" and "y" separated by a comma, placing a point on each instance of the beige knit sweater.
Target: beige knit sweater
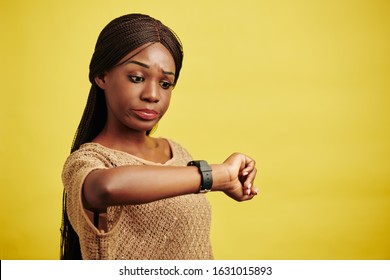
{"x": 174, "y": 228}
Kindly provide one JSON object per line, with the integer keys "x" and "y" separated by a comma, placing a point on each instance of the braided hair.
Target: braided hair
{"x": 120, "y": 37}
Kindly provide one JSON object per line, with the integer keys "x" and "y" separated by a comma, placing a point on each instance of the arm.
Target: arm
{"x": 143, "y": 184}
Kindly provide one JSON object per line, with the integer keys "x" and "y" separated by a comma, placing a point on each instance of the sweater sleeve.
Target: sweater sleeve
{"x": 76, "y": 168}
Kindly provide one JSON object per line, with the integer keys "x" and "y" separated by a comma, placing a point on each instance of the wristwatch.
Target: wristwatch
{"x": 206, "y": 174}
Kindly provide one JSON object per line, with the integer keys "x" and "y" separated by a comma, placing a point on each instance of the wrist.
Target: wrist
{"x": 206, "y": 174}
{"x": 221, "y": 177}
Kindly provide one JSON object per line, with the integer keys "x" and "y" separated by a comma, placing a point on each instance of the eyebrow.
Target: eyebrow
{"x": 147, "y": 66}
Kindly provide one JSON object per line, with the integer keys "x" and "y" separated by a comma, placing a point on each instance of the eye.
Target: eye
{"x": 136, "y": 79}
{"x": 165, "y": 84}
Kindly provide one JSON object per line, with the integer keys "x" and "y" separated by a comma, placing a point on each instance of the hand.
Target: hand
{"x": 242, "y": 173}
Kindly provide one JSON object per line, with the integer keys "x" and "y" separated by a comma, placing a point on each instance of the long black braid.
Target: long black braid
{"x": 120, "y": 37}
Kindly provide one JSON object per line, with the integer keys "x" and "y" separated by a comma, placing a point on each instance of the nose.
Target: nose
{"x": 151, "y": 92}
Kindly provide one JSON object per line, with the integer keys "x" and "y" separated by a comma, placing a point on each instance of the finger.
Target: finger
{"x": 249, "y": 166}
{"x": 254, "y": 191}
{"x": 248, "y": 196}
{"x": 249, "y": 179}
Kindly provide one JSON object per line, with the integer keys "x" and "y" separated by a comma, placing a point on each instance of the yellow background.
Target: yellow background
{"x": 301, "y": 86}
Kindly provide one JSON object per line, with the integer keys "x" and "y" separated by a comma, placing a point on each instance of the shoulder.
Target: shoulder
{"x": 179, "y": 151}
{"x": 90, "y": 152}
{"x": 88, "y": 157}
{"x": 173, "y": 144}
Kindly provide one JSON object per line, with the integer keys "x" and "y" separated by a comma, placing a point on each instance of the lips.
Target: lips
{"x": 146, "y": 114}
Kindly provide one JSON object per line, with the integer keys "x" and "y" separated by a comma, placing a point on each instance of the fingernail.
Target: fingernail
{"x": 245, "y": 173}
{"x": 249, "y": 186}
{"x": 248, "y": 192}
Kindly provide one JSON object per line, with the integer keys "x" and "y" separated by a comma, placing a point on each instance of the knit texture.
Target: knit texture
{"x": 173, "y": 228}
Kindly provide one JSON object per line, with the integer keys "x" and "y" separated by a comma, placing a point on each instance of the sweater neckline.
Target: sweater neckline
{"x": 142, "y": 160}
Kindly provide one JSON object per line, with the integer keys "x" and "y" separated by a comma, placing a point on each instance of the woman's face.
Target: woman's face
{"x": 138, "y": 90}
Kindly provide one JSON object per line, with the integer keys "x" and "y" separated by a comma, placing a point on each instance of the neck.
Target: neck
{"x": 124, "y": 140}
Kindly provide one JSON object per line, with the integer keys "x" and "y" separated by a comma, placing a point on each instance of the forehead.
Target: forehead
{"x": 151, "y": 54}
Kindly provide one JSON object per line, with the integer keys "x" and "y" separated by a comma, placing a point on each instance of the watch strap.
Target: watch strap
{"x": 206, "y": 174}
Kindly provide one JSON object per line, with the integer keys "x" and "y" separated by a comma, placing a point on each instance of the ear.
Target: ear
{"x": 99, "y": 80}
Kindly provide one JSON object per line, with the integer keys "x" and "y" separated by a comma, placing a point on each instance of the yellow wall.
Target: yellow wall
{"x": 301, "y": 86}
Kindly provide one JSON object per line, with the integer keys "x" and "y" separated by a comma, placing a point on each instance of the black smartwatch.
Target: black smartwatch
{"x": 206, "y": 173}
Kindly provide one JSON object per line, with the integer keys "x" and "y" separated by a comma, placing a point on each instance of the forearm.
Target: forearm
{"x": 142, "y": 184}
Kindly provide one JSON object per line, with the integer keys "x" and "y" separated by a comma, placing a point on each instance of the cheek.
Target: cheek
{"x": 116, "y": 103}
{"x": 166, "y": 100}
{"x": 120, "y": 95}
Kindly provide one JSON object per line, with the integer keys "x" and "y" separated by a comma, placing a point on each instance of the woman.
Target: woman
{"x": 128, "y": 195}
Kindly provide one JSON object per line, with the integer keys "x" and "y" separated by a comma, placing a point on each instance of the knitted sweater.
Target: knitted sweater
{"x": 173, "y": 228}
